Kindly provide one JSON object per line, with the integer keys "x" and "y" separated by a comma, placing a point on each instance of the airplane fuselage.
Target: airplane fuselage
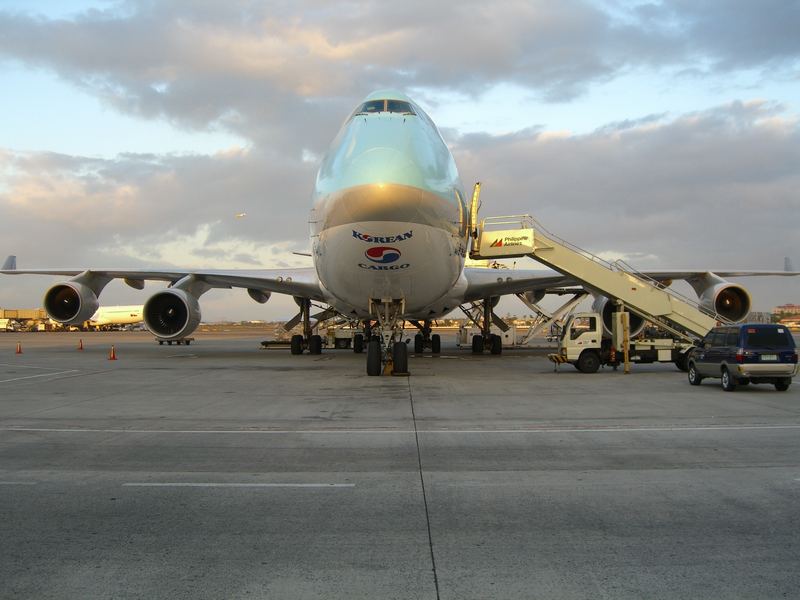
{"x": 389, "y": 219}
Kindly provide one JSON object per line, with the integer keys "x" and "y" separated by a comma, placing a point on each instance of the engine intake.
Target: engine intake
{"x": 607, "y": 309}
{"x": 728, "y": 300}
{"x": 172, "y": 313}
{"x": 70, "y": 302}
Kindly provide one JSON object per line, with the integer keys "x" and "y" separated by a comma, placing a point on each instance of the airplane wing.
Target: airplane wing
{"x": 485, "y": 282}
{"x": 302, "y": 282}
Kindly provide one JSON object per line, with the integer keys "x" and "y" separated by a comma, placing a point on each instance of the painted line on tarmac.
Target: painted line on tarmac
{"x": 18, "y": 482}
{"x": 40, "y": 375}
{"x": 26, "y": 367}
{"x": 241, "y": 485}
{"x": 403, "y": 431}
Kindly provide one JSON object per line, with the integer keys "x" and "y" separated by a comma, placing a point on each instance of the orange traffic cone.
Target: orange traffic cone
{"x": 80, "y": 344}
{"x": 113, "y": 355}
{"x": 19, "y": 348}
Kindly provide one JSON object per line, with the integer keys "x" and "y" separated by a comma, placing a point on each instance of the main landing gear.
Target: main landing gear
{"x": 486, "y": 340}
{"x": 425, "y": 339}
{"x": 306, "y": 340}
{"x": 387, "y": 353}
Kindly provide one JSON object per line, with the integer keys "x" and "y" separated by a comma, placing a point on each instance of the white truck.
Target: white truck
{"x": 582, "y": 345}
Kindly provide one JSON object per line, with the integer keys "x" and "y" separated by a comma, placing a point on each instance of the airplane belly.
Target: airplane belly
{"x": 380, "y": 259}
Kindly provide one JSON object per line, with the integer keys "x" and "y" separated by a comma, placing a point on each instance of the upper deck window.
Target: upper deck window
{"x": 377, "y": 106}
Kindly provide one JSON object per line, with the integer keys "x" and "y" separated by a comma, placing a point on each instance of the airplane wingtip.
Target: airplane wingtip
{"x": 10, "y": 263}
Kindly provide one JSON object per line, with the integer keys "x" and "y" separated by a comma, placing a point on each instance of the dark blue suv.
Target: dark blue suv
{"x": 742, "y": 354}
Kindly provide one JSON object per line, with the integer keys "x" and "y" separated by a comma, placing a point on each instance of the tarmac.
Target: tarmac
{"x": 219, "y": 470}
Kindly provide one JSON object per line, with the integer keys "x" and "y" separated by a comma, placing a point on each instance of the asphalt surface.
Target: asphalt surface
{"x": 220, "y": 470}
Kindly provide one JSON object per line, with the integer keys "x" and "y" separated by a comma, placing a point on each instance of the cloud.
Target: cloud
{"x": 715, "y": 188}
{"x": 259, "y": 69}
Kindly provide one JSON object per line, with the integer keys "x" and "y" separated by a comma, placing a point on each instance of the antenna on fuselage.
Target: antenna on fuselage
{"x": 473, "y": 210}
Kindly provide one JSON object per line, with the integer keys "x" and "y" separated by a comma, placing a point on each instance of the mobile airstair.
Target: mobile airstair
{"x": 522, "y": 236}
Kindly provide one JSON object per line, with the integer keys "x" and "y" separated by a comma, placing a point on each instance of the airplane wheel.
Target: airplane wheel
{"x": 477, "y": 344}
{"x": 419, "y": 344}
{"x": 373, "y": 358}
{"x": 297, "y": 344}
{"x": 400, "y": 357}
{"x": 358, "y": 343}
{"x": 496, "y": 344}
{"x": 315, "y": 344}
{"x": 436, "y": 343}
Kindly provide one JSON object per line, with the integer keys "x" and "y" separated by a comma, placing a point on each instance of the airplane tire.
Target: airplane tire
{"x": 358, "y": 343}
{"x": 496, "y": 344}
{"x": 400, "y": 358}
{"x": 477, "y": 344}
{"x": 588, "y": 362}
{"x": 419, "y": 344}
{"x": 373, "y": 358}
{"x": 436, "y": 343}
{"x": 297, "y": 344}
{"x": 315, "y": 344}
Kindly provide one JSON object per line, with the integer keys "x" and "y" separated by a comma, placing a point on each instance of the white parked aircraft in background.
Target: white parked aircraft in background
{"x": 108, "y": 316}
{"x": 390, "y": 230}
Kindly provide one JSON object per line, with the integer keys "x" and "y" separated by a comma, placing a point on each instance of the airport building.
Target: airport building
{"x": 787, "y": 309}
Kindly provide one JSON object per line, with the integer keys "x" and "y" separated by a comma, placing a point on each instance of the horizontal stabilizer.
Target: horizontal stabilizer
{"x": 10, "y": 264}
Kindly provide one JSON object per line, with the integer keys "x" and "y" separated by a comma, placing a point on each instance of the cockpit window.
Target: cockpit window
{"x": 392, "y": 106}
{"x": 398, "y": 106}
{"x": 373, "y": 106}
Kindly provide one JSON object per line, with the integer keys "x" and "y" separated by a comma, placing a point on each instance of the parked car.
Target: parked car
{"x": 742, "y": 354}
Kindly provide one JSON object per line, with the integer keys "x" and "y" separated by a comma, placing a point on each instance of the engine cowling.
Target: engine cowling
{"x": 534, "y": 297}
{"x": 606, "y": 308}
{"x": 728, "y": 300}
{"x": 171, "y": 313}
{"x": 70, "y": 302}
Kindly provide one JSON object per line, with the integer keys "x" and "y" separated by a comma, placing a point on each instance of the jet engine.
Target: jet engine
{"x": 534, "y": 297}
{"x": 70, "y": 302}
{"x": 728, "y": 300}
{"x": 607, "y": 308}
{"x": 171, "y": 313}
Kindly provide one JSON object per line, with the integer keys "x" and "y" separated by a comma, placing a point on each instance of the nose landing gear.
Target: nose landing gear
{"x": 386, "y": 351}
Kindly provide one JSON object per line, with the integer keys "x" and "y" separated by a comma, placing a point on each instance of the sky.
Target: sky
{"x": 133, "y": 132}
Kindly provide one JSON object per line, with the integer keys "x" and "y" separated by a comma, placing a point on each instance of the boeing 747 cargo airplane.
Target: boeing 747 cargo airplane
{"x": 390, "y": 230}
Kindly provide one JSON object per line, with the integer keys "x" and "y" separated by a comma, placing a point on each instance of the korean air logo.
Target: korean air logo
{"x": 382, "y": 254}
